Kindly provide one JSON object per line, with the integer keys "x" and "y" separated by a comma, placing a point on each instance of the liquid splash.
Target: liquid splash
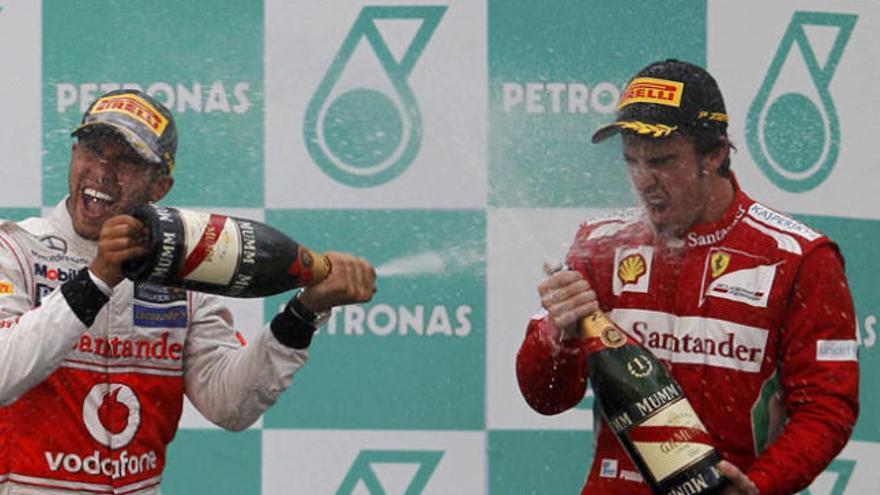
{"x": 429, "y": 262}
{"x": 433, "y": 262}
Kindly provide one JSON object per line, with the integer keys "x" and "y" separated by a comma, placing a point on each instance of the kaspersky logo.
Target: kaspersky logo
{"x": 362, "y": 474}
{"x": 363, "y": 126}
{"x": 792, "y": 128}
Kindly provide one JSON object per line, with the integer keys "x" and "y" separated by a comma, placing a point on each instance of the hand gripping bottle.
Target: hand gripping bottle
{"x": 649, "y": 413}
{"x": 221, "y": 255}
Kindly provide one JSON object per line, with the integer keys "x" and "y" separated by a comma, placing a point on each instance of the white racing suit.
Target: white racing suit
{"x": 91, "y": 387}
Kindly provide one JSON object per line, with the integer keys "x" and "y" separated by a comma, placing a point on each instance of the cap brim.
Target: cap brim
{"x": 606, "y": 131}
{"x": 130, "y": 137}
{"x": 640, "y": 128}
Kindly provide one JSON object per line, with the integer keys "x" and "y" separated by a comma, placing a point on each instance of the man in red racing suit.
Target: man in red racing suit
{"x": 749, "y": 309}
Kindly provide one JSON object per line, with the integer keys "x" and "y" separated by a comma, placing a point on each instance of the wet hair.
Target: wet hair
{"x": 91, "y": 137}
{"x": 708, "y": 140}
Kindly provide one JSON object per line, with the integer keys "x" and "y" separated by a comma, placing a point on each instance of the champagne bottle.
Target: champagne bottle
{"x": 221, "y": 255}
{"x": 649, "y": 414}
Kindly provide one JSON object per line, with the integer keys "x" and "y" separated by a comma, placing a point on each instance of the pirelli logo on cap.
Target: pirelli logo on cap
{"x": 135, "y": 107}
{"x": 650, "y": 90}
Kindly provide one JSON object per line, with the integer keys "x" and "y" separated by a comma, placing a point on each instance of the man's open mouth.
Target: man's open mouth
{"x": 97, "y": 203}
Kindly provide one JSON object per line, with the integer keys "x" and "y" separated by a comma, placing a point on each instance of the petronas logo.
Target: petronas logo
{"x": 363, "y": 476}
{"x": 363, "y": 126}
{"x": 792, "y": 129}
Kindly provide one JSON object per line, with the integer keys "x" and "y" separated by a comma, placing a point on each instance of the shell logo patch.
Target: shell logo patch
{"x": 631, "y": 268}
{"x": 633, "y": 273}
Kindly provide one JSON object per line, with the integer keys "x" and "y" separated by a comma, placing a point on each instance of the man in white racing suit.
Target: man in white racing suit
{"x": 94, "y": 367}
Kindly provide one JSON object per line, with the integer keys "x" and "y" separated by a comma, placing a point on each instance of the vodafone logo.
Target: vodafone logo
{"x": 112, "y": 414}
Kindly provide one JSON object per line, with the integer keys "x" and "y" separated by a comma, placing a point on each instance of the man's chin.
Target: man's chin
{"x": 664, "y": 228}
{"x": 658, "y": 220}
{"x": 88, "y": 228}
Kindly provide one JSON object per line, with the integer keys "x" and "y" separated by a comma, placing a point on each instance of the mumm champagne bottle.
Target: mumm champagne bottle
{"x": 222, "y": 255}
{"x": 649, "y": 413}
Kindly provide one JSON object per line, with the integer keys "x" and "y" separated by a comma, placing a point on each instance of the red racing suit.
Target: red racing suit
{"x": 753, "y": 316}
{"x": 90, "y": 406}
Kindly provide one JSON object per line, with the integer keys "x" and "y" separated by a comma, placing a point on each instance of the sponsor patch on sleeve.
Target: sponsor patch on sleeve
{"x": 6, "y": 288}
{"x": 626, "y": 474}
{"x": 836, "y": 350}
{"x": 608, "y": 469}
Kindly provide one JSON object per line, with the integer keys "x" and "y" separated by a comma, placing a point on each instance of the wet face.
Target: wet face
{"x": 107, "y": 178}
{"x": 674, "y": 183}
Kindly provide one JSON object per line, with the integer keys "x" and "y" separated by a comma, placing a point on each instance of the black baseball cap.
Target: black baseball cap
{"x": 668, "y": 97}
{"x": 144, "y": 123}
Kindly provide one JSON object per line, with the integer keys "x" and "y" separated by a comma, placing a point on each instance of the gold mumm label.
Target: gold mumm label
{"x": 649, "y": 413}
{"x": 597, "y": 325}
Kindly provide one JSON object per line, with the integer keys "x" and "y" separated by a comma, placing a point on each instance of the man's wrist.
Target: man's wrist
{"x": 295, "y": 325}
{"x": 298, "y": 309}
{"x": 105, "y": 288}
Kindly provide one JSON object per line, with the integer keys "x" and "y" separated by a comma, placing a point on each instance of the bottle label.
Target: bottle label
{"x": 703, "y": 478}
{"x": 599, "y": 332}
{"x": 213, "y": 247}
{"x": 671, "y": 440}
